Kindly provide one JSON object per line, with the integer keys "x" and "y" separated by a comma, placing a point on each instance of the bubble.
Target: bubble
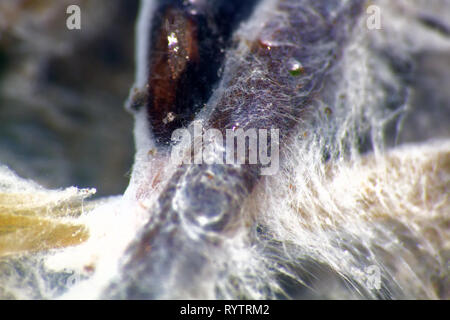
{"x": 295, "y": 67}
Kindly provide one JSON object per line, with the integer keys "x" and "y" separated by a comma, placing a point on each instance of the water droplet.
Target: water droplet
{"x": 295, "y": 67}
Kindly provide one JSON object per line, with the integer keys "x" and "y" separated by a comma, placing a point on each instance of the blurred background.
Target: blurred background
{"x": 62, "y": 92}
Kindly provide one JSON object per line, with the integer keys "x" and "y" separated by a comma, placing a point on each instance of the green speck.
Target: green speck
{"x": 296, "y": 72}
{"x": 295, "y": 67}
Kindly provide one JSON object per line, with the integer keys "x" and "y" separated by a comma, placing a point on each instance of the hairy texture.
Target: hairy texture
{"x": 201, "y": 201}
{"x": 29, "y": 216}
{"x": 35, "y": 220}
{"x": 359, "y": 208}
{"x": 295, "y": 236}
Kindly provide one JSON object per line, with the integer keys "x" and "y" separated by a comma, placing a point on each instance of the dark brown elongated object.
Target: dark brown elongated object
{"x": 187, "y": 43}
